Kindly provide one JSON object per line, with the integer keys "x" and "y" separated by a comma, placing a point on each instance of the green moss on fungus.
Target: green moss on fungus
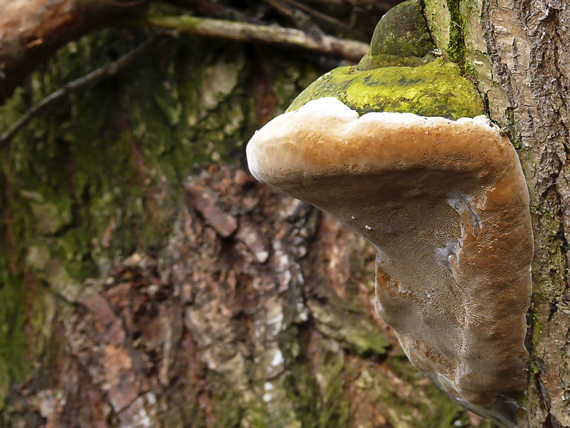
{"x": 434, "y": 89}
{"x": 399, "y": 73}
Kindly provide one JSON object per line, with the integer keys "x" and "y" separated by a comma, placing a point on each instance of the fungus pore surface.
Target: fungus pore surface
{"x": 446, "y": 205}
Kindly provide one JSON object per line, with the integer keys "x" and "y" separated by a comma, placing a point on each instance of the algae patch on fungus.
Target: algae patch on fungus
{"x": 434, "y": 89}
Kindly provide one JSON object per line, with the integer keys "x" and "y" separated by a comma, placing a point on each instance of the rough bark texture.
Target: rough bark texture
{"x": 518, "y": 53}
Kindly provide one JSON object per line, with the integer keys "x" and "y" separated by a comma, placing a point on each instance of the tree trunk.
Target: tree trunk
{"x": 149, "y": 281}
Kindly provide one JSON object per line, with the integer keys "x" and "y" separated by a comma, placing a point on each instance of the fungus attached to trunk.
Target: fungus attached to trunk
{"x": 412, "y": 166}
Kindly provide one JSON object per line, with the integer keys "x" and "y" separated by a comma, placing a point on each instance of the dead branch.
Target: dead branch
{"x": 299, "y": 18}
{"x": 341, "y": 26}
{"x": 244, "y": 32}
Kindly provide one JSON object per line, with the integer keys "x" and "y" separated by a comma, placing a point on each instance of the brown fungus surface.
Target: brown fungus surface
{"x": 446, "y": 205}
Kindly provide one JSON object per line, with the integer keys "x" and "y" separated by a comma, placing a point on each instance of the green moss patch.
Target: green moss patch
{"x": 434, "y": 89}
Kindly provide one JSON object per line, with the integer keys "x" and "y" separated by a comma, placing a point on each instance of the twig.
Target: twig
{"x": 96, "y": 75}
{"x": 244, "y": 32}
{"x": 384, "y": 6}
{"x": 210, "y": 9}
{"x": 301, "y": 20}
{"x": 324, "y": 17}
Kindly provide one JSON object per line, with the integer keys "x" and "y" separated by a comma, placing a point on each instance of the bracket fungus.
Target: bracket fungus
{"x": 401, "y": 155}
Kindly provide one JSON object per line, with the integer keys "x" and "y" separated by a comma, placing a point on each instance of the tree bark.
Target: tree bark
{"x": 149, "y": 281}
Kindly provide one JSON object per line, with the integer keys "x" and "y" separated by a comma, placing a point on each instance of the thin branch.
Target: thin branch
{"x": 95, "y": 76}
{"x": 384, "y": 6}
{"x": 301, "y": 20}
{"x": 243, "y": 32}
{"x": 324, "y": 17}
{"x": 210, "y": 9}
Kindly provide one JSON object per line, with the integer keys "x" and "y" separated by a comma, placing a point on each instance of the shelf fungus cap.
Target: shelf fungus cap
{"x": 446, "y": 205}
